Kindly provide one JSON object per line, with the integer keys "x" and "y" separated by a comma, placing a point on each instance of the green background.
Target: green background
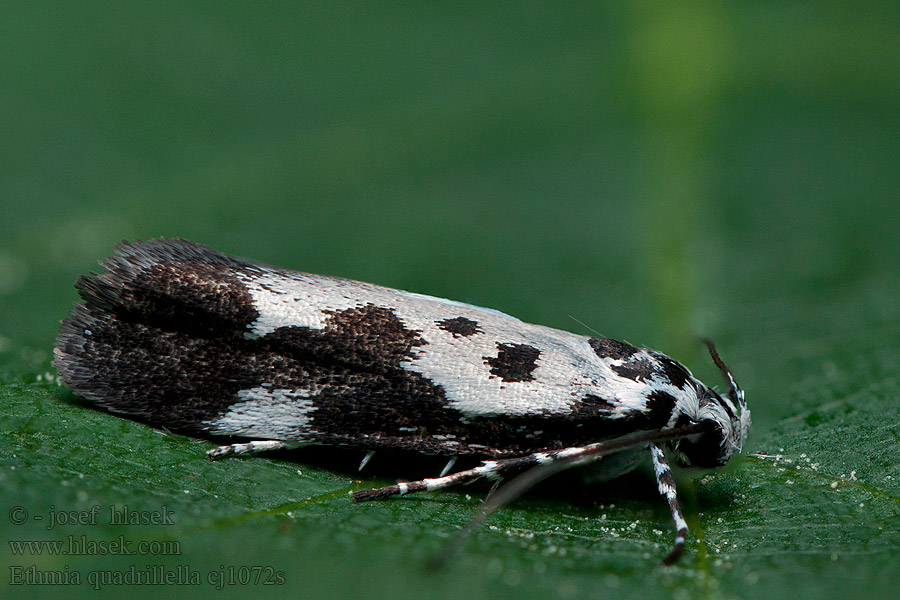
{"x": 649, "y": 172}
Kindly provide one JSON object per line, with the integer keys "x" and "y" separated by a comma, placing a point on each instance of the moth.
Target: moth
{"x": 185, "y": 337}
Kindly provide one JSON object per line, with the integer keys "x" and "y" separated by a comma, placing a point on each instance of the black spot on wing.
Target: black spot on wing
{"x": 658, "y": 410}
{"x": 647, "y": 365}
{"x": 610, "y": 348}
{"x": 655, "y": 414}
{"x": 367, "y": 338}
{"x": 459, "y": 326}
{"x": 514, "y": 362}
{"x": 637, "y": 368}
{"x": 591, "y": 403}
{"x": 639, "y": 365}
{"x": 672, "y": 370}
{"x": 365, "y": 397}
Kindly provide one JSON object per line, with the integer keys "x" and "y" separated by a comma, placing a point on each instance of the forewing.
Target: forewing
{"x": 184, "y": 336}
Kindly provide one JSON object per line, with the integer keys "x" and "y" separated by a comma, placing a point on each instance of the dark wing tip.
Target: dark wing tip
{"x": 169, "y": 280}
{"x": 134, "y": 258}
{"x": 129, "y": 266}
{"x": 74, "y": 352}
{"x": 163, "y": 285}
{"x": 138, "y": 254}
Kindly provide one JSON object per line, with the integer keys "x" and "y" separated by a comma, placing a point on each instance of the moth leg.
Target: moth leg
{"x": 255, "y": 446}
{"x": 365, "y": 460}
{"x": 494, "y": 486}
{"x": 448, "y": 466}
{"x": 489, "y": 468}
{"x": 492, "y": 469}
{"x": 666, "y": 484}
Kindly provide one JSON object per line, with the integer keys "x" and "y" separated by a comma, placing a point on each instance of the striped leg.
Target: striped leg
{"x": 257, "y": 446}
{"x": 547, "y": 464}
{"x": 561, "y": 459}
{"x": 490, "y": 468}
{"x": 667, "y": 488}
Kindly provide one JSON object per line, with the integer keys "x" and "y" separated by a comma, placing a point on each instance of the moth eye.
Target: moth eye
{"x": 684, "y": 420}
{"x": 706, "y": 450}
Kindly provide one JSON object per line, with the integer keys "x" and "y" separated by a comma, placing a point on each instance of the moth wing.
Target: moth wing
{"x": 183, "y": 336}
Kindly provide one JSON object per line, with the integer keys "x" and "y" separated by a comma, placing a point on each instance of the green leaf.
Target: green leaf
{"x": 655, "y": 172}
{"x": 818, "y": 495}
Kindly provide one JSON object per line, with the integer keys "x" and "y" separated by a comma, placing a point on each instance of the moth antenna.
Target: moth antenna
{"x": 736, "y": 393}
{"x": 585, "y": 325}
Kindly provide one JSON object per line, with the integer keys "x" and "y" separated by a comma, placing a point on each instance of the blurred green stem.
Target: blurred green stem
{"x": 679, "y": 60}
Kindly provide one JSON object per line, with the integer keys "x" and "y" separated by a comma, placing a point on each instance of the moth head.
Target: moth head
{"x": 727, "y": 419}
